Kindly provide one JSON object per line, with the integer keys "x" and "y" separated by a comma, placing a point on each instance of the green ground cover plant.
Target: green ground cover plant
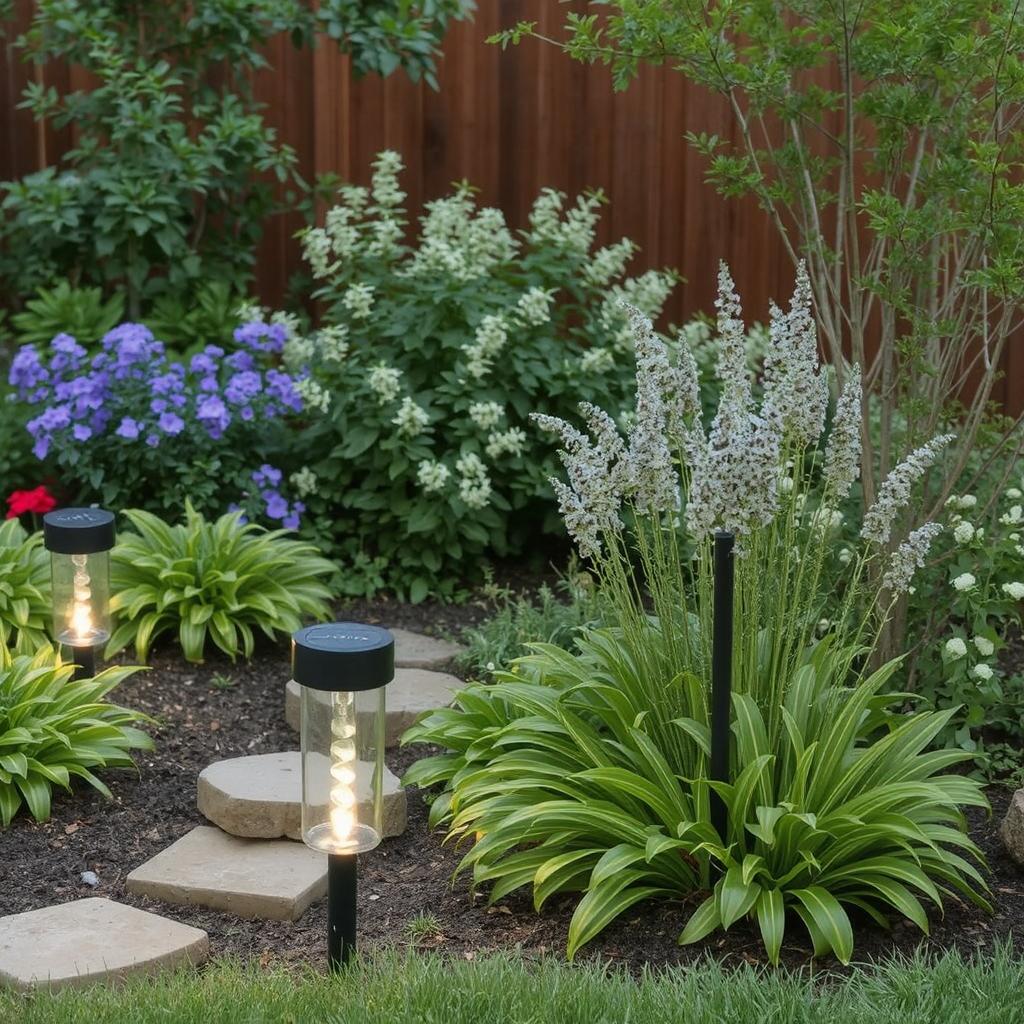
{"x": 219, "y": 580}
{"x": 55, "y": 729}
{"x": 589, "y": 772}
{"x": 396, "y": 988}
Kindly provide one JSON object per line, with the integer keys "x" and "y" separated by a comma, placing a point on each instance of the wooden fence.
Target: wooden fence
{"x": 511, "y": 123}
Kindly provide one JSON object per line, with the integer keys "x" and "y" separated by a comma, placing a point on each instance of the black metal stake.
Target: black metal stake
{"x": 721, "y": 673}
{"x": 85, "y": 659}
{"x": 341, "y": 909}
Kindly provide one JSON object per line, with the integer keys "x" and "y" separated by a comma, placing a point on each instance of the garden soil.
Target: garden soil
{"x": 221, "y": 710}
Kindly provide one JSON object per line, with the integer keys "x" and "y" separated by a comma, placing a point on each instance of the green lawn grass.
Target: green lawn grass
{"x": 393, "y": 988}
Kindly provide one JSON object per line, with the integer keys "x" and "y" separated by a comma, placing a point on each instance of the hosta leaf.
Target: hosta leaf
{"x": 702, "y": 922}
{"x": 735, "y": 896}
{"x": 605, "y": 902}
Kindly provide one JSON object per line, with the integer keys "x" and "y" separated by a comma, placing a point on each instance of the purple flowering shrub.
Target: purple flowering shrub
{"x": 130, "y": 427}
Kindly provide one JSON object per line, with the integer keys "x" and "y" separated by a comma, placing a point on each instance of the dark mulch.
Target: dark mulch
{"x": 407, "y": 876}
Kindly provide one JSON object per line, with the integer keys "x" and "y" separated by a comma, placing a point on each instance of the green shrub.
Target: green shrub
{"x": 432, "y": 358}
{"x": 63, "y": 309}
{"x": 221, "y": 579}
{"x": 172, "y": 174}
{"x": 589, "y": 772}
{"x": 25, "y": 598}
{"x": 54, "y": 729}
{"x": 522, "y": 619}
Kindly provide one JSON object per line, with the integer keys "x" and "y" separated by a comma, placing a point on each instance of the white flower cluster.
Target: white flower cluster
{"x": 597, "y": 360}
{"x": 488, "y": 341}
{"x": 734, "y": 482}
{"x": 319, "y": 252}
{"x": 486, "y": 414}
{"x": 384, "y": 382}
{"x": 304, "y": 481}
{"x": 894, "y": 494}
{"x": 411, "y": 418}
{"x": 1014, "y": 517}
{"x": 964, "y": 582}
{"x": 313, "y": 395}
{"x": 461, "y": 241}
{"x": 794, "y": 387}
{"x": 358, "y": 300}
{"x": 384, "y": 183}
{"x": 963, "y": 502}
{"x": 608, "y": 263}
{"x": 963, "y": 532}
{"x": 590, "y": 502}
{"x": 843, "y": 449}
{"x": 1014, "y": 590}
{"x": 510, "y": 442}
{"x": 908, "y": 558}
{"x": 342, "y": 234}
{"x": 332, "y": 343}
{"x": 955, "y": 649}
{"x": 474, "y": 485}
{"x": 653, "y": 482}
{"x": 432, "y": 475}
{"x": 572, "y": 229}
{"x": 534, "y": 307}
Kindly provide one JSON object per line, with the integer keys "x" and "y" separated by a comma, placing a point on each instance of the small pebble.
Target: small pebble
{"x": 90, "y": 878}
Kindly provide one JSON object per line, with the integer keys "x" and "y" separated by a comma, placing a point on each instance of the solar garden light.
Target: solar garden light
{"x": 342, "y": 669}
{"x": 79, "y": 541}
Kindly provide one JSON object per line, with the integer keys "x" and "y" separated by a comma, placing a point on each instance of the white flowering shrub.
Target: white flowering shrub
{"x": 431, "y": 359}
{"x": 966, "y": 608}
{"x": 589, "y": 772}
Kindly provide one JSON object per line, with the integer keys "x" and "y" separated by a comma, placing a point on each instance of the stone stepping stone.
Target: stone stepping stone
{"x": 92, "y": 940}
{"x": 260, "y": 797}
{"x": 271, "y": 879}
{"x": 412, "y": 692}
{"x": 416, "y": 650}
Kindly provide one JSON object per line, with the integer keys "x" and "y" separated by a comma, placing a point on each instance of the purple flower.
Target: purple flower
{"x": 202, "y": 363}
{"x": 213, "y": 415}
{"x": 277, "y": 507}
{"x": 240, "y": 361}
{"x": 41, "y": 447}
{"x": 27, "y": 370}
{"x": 81, "y": 432}
{"x": 267, "y": 475}
{"x": 282, "y": 388}
{"x": 261, "y": 337}
{"x": 171, "y": 423}
{"x": 243, "y": 387}
{"x": 128, "y": 428}
{"x": 153, "y": 440}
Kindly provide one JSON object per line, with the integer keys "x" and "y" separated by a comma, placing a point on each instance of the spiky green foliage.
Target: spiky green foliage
{"x": 54, "y": 729}
{"x": 25, "y": 600}
{"x": 220, "y": 580}
{"x": 556, "y": 772}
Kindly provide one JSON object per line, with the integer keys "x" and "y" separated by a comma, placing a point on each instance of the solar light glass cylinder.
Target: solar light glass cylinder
{"x": 81, "y": 598}
{"x": 342, "y": 670}
{"x": 342, "y": 769}
{"x": 79, "y": 541}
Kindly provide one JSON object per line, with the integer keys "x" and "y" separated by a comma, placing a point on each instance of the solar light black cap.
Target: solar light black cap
{"x": 343, "y": 656}
{"x": 78, "y": 531}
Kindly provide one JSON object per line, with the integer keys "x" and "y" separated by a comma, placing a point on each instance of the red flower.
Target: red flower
{"x": 39, "y": 500}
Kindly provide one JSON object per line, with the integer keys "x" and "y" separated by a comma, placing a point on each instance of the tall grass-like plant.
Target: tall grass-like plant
{"x": 220, "y": 580}
{"x": 54, "y": 729}
{"x": 25, "y": 602}
{"x": 590, "y": 773}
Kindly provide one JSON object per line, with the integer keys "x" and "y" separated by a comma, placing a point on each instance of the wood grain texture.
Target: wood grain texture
{"x": 510, "y": 122}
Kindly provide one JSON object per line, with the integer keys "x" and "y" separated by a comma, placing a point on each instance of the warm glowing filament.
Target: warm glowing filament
{"x": 81, "y": 621}
{"x": 343, "y": 756}
{"x": 81, "y": 611}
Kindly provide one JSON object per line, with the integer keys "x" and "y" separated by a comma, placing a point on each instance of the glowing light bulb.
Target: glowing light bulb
{"x": 81, "y": 626}
{"x": 343, "y": 755}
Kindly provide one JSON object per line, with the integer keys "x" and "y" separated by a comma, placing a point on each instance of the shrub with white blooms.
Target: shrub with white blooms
{"x": 442, "y": 333}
